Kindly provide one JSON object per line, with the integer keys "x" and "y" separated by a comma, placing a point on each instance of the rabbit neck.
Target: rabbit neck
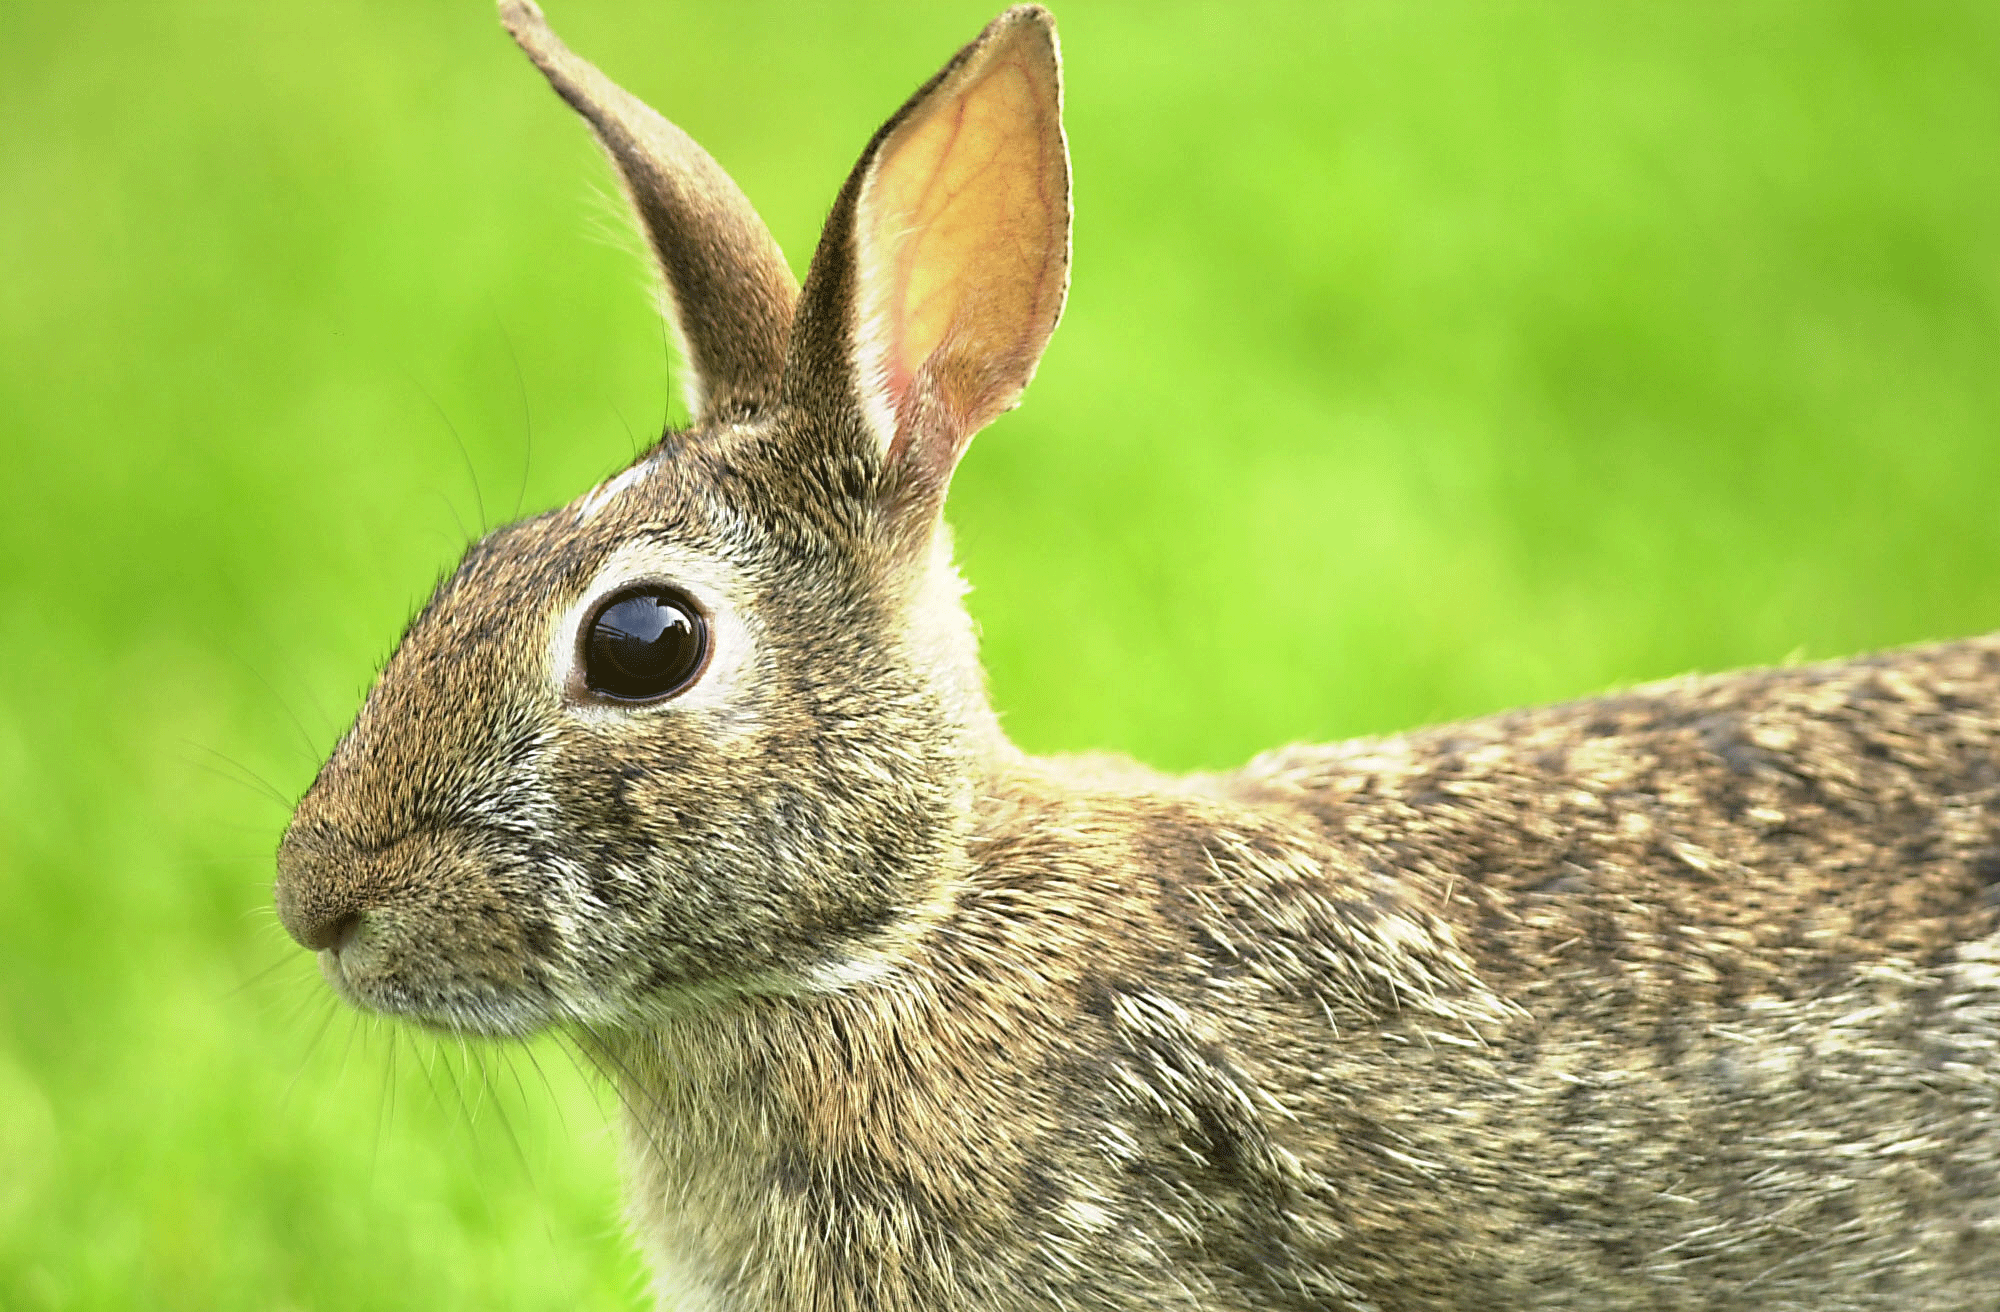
{"x": 945, "y": 641}
{"x": 933, "y": 1133}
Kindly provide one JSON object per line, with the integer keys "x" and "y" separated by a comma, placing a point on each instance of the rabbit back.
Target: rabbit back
{"x": 1746, "y": 926}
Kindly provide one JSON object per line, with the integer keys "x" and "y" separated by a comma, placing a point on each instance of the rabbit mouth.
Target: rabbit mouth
{"x": 387, "y": 965}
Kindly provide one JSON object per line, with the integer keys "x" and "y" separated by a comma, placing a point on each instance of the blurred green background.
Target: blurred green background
{"x": 1422, "y": 360}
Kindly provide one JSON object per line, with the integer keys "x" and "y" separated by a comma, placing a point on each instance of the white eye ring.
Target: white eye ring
{"x": 717, "y": 594}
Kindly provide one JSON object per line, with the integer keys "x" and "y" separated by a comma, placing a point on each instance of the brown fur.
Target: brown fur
{"x": 1683, "y": 998}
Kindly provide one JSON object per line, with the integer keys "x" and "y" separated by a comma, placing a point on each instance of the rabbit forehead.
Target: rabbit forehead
{"x": 593, "y": 503}
{"x": 771, "y": 485}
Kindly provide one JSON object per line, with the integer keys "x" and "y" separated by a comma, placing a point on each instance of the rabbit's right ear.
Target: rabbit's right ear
{"x": 729, "y": 292}
{"x": 943, "y": 266}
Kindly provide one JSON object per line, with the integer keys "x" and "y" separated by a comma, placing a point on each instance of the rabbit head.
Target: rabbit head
{"x": 715, "y": 725}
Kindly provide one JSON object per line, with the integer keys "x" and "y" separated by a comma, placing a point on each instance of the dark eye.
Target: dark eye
{"x": 644, "y": 643}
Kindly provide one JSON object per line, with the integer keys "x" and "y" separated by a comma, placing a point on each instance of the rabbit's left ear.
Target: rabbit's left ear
{"x": 729, "y": 293}
{"x": 943, "y": 266}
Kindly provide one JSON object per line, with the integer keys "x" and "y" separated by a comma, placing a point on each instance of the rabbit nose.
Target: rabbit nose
{"x": 329, "y": 931}
{"x": 315, "y": 919}
{"x": 316, "y": 904}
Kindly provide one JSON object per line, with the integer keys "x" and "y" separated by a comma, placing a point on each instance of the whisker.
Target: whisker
{"x": 627, "y": 1087}
{"x": 463, "y": 532}
{"x": 507, "y": 1126}
{"x": 464, "y": 453}
{"x": 259, "y": 977}
{"x": 386, "y": 1108}
{"x": 514, "y": 1069}
{"x": 312, "y": 751}
{"x": 631, "y": 435}
{"x": 244, "y": 775}
{"x": 305, "y": 1059}
{"x": 527, "y": 415}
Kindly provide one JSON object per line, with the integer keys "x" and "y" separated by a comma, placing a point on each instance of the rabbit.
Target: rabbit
{"x": 1683, "y": 997}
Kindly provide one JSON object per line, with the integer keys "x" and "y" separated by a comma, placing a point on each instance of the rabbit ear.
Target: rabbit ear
{"x": 729, "y": 292}
{"x": 943, "y": 266}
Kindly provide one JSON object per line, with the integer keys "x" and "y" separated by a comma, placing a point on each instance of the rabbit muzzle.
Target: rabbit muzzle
{"x": 418, "y": 927}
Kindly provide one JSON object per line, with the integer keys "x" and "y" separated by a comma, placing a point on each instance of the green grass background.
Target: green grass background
{"x": 1422, "y": 359}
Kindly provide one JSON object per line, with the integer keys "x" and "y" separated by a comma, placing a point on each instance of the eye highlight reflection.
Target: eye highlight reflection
{"x": 643, "y": 644}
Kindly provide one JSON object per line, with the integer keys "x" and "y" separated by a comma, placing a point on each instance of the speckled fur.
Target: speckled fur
{"x": 1686, "y": 997}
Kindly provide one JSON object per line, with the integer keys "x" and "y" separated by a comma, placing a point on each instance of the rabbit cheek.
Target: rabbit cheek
{"x": 702, "y": 872}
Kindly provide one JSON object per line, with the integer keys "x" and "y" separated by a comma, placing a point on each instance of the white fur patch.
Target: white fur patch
{"x": 872, "y": 329}
{"x": 590, "y": 503}
{"x": 1086, "y": 1216}
{"x": 846, "y": 973}
{"x": 678, "y": 1287}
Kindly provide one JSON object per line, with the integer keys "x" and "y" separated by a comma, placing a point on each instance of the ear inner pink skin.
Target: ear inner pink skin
{"x": 962, "y": 235}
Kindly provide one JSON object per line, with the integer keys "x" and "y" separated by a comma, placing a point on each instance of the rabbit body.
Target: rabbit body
{"x": 1682, "y": 998}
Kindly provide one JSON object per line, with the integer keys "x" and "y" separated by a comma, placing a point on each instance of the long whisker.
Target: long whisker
{"x": 330, "y": 1011}
{"x": 500, "y": 1113}
{"x": 631, "y": 435}
{"x": 243, "y": 775}
{"x": 312, "y": 751}
{"x": 261, "y": 976}
{"x": 464, "y": 453}
{"x": 527, "y": 415}
{"x": 387, "y": 1107}
{"x": 600, "y": 1051}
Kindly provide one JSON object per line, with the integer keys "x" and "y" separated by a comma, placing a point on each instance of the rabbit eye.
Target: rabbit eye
{"x": 644, "y": 643}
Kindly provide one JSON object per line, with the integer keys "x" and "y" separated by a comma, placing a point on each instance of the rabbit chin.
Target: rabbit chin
{"x": 372, "y": 975}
